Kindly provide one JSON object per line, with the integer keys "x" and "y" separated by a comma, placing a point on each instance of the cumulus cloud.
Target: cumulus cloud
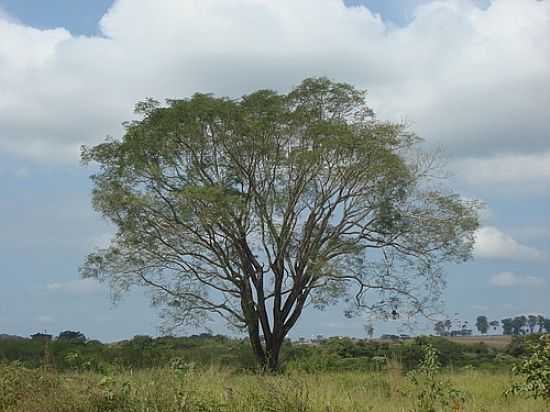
{"x": 492, "y": 243}
{"x": 453, "y": 72}
{"x": 80, "y": 287}
{"x": 509, "y": 280}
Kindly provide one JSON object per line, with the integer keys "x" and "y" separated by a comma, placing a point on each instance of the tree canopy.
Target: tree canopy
{"x": 482, "y": 324}
{"x": 253, "y": 208}
{"x": 72, "y": 336}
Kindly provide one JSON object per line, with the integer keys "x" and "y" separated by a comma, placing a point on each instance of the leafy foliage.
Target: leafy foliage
{"x": 535, "y": 370}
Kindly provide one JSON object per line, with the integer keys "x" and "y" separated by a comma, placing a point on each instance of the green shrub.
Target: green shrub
{"x": 535, "y": 371}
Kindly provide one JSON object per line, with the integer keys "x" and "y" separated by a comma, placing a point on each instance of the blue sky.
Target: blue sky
{"x": 471, "y": 77}
{"x": 77, "y": 16}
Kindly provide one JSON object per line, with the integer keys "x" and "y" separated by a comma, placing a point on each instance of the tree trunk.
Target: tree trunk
{"x": 272, "y": 355}
{"x": 258, "y": 350}
{"x": 253, "y": 327}
{"x": 267, "y": 354}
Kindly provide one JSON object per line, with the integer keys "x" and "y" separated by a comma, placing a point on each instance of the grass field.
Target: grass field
{"x": 497, "y": 342}
{"x": 215, "y": 389}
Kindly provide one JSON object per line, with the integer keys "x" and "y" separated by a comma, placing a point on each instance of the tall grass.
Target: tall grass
{"x": 225, "y": 390}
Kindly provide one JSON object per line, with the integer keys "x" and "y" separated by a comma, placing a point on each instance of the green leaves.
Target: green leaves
{"x": 535, "y": 371}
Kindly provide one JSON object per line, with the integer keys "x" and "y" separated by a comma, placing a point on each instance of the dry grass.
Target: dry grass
{"x": 221, "y": 390}
{"x": 497, "y": 342}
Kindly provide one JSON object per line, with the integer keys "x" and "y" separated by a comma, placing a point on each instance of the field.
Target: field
{"x": 215, "y": 389}
{"x": 218, "y": 374}
{"x": 497, "y": 342}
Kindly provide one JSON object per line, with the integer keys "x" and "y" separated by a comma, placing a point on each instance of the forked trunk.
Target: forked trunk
{"x": 267, "y": 353}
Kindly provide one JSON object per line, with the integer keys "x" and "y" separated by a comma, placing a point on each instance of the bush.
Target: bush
{"x": 535, "y": 371}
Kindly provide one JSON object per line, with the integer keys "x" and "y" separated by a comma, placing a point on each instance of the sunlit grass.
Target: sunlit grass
{"x": 227, "y": 390}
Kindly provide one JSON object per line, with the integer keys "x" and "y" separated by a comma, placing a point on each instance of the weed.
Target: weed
{"x": 432, "y": 389}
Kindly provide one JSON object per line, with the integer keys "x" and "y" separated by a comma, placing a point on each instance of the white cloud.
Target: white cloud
{"x": 45, "y": 319}
{"x": 509, "y": 280}
{"x": 492, "y": 243}
{"x": 470, "y": 79}
{"x": 80, "y": 287}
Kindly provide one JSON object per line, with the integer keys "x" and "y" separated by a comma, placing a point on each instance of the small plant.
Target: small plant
{"x": 74, "y": 360}
{"x": 432, "y": 390}
{"x": 182, "y": 367}
{"x": 535, "y": 370}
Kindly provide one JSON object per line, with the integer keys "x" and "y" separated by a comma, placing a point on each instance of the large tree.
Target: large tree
{"x": 253, "y": 208}
{"x": 72, "y": 337}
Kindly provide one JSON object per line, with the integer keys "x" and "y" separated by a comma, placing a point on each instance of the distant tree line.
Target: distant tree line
{"x": 445, "y": 328}
{"x": 523, "y": 325}
{"x": 516, "y": 326}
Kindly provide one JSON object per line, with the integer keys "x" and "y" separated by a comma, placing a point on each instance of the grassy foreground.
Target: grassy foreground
{"x": 212, "y": 390}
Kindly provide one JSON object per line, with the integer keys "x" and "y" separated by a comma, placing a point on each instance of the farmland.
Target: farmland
{"x": 498, "y": 342}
